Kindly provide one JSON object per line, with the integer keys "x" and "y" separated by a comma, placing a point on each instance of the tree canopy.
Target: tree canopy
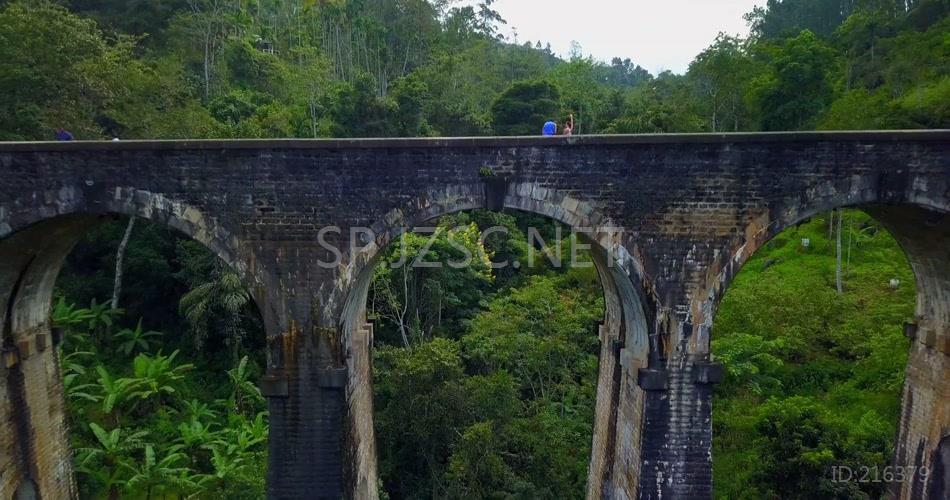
{"x": 358, "y": 68}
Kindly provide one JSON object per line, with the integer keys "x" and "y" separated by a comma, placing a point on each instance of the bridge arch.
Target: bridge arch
{"x": 33, "y": 247}
{"x": 624, "y": 331}
{"x": 912, "y": 203}
{"x": 70, "y": 201}
{"x": 71, "y": 211}
{"x": 919, "y": 221}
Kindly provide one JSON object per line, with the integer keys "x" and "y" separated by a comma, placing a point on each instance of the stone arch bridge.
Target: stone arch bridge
{"x": 671, "y": 220}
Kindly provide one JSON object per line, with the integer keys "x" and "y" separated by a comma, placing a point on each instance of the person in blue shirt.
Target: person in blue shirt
{"x": 550, "y": 128}
{"x": 63, "y": 135}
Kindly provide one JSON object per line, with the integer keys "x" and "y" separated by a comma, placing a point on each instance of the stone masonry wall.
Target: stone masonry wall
{"x": 691, "y": 208}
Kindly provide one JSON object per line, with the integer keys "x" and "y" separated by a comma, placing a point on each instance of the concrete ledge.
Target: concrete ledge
{"x": 708, "y": 373}
{"x": 274, "y": 386}
{"x": 332, "y": 378}
{"x": 652, "y": 380}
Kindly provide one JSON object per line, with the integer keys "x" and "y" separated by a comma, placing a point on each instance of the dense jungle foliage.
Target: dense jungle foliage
{"x": 813, "y": 376}
{"x": 356, "y": 68}
{"x": 484, "y": 377}
{"x": 161, "y": 393}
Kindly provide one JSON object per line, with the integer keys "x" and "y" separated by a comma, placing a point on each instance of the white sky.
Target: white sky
{"x": 656, "y": 34}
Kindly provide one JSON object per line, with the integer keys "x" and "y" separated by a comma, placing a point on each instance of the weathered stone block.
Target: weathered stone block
{"x": 628, "y": 361}
{"x": 928, "y": 337}
{"x": 332, "y": 378}
{"x": 10, "y": 358}
{"x": 25, "y": 348}
{"x": 42, "y": 342}
{"x": 943, "y": 344}
{"x": 708, "y": 373}
{"x": 650, "y": 379}
{"x": 274, "y": 386}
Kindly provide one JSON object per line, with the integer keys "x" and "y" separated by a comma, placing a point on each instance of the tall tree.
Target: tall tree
{"x": 206, "y": 23}
{"x": 119, "y": 260}
{"x": 798, "y": 85}
{"x": 55, "y": 71}
{"x": 839, "y": 286}
{"x": 721, "y": 74}
{"x": 218, "y": 306}
{"x": 781, "y": 18}
{"x": 524, "y": 107}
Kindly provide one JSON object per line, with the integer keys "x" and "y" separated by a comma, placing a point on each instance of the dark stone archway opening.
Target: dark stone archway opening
{"x": 817, "y": 383}
{"x": 485, "y": 373}
{"x": 159, "y": 394}
{"x": 496, "y": 364}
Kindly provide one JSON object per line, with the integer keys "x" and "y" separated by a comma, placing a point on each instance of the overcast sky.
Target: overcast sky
{"x": 656, "y": 34}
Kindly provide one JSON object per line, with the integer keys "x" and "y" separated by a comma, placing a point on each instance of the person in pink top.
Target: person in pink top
{"x": 569, "y": 126}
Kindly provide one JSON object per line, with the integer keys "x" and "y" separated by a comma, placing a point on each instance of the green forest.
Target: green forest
{"x": 484, "y": 378}
{"x": 142, "y": 69}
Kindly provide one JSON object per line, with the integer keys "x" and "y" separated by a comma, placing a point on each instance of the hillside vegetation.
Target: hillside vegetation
{"x": 813, "y": 377}
{"x": 357, "y": 68}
